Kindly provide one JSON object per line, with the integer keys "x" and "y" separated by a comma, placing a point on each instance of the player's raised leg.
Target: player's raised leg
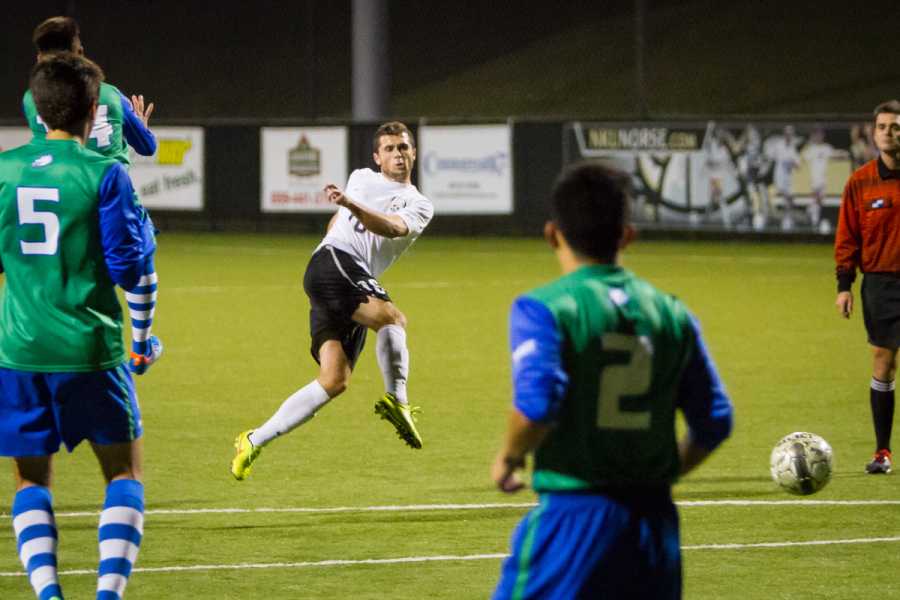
{"x": 35, "y": 526}
{"x": 393, "y": 360}
{"x": 300, "y": 407}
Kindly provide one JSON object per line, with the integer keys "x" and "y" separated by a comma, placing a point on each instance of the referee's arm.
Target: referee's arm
{"x": 847, "y": 244}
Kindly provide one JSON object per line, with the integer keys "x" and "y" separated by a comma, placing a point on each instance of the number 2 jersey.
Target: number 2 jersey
{"x": 116, "y": 126}
{"x": 70, "y": 230}
{"x": 608, "y": 359}
{"x": 373, "y": 252}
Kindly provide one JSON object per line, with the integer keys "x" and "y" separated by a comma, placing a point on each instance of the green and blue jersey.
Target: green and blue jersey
{"x": 608, "y": 360}
{"x": 71, "y": 229}
{"x": 116, "y": 126}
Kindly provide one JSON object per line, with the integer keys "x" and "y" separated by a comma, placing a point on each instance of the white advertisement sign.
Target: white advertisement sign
{"x": 297, "y": 163}
{"x": 12, "y": 137}
{"x": 466, "y": 169}
{"x": 171, "y": 179}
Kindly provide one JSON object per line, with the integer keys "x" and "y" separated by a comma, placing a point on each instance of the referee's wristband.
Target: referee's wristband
{"x": 845, "y": 282}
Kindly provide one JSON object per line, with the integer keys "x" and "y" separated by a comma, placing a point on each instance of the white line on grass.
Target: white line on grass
{"x": 441, "y": 558}
{"x": 451, "y": 507}
{"x": 878, "y": 540}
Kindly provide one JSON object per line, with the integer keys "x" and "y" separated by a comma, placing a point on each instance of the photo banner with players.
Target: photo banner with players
{"x": 466, "y": 169}
{"x": 13, "y": 137}
{"x": 736, "y": 176}
{"x": 171, "y": 179}
{"x": 296, "y": 163}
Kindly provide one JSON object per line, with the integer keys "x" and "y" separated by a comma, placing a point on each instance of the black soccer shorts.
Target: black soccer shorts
{"x": 336, "y": 286}
{"x": 881, "y": 308}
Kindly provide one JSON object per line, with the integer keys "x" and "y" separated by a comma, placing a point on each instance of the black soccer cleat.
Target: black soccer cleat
{"x": 881, "y": 463}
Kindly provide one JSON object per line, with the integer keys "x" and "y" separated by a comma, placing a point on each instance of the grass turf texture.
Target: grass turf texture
{"x": 234, "y": 320}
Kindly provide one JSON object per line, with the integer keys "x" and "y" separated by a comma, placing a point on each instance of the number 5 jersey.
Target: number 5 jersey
{"x": 71, "y": 228}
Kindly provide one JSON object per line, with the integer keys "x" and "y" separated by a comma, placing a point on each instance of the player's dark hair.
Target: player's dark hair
{"x": 589, "y": 205}
{"x": 56, "y": 34}
{"x": 391, "y": 128}
{"x": 65, "y": 87}
{"x": 889, "y": 106}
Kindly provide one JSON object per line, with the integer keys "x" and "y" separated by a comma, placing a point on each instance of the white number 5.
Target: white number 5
{"x": 26, "y": 197}
{"x": 630, "y": 379}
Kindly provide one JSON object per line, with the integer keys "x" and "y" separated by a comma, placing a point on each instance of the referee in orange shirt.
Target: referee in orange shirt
{"x": 868, "y": 239}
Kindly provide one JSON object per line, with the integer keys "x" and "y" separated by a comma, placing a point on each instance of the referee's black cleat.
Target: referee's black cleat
{"x": 881, "y": 463}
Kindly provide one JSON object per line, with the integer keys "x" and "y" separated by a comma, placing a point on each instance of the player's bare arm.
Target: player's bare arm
{"x": 142, "y": 112}
{"x": 379, "y": 223}
{"x": 522, "y": 436}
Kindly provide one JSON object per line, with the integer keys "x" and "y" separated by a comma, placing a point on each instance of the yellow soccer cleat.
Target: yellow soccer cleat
{"x": 401, "y": 416}
{"x": 245, "y": 455}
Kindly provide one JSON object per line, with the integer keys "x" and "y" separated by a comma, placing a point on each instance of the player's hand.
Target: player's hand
{"x": 143, "y": 113}
{"x": 505, "y": 473}
{"x": 844, "y": 304}
{"x": 335, "y": 195}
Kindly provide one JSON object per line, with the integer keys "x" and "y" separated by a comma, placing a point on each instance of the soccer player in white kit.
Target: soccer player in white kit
{"x": 381, "y": 214}
{"x": 786, "y": 158}
{"x": 817, "y": 154}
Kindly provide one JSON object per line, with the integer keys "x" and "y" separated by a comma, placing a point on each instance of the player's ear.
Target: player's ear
{"x": 628, "y": 235}
{"x": 550, "y": 233}
{"x": 376, "y": 158}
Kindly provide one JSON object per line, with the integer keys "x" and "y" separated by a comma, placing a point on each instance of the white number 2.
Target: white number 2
{"x": 26, "y": 197}
{"x": 630, "y": 379}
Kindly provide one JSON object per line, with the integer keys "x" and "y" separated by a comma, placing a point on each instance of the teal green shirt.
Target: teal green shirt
{"x": 68, "y": 219}
{"x": 608, "y": 359}
{"x": 106, "y": 135}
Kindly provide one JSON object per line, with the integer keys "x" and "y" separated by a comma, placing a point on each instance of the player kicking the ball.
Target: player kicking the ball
{"x": 380, "y": 216}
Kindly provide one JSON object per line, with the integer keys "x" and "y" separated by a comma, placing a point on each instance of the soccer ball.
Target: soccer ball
{"x": 801, "y": 463}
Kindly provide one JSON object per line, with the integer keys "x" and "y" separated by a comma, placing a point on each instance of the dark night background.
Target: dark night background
{"x": 251, "y": 61}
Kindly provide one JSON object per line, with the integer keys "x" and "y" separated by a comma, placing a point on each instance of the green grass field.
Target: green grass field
{"x": 234, "y": 320}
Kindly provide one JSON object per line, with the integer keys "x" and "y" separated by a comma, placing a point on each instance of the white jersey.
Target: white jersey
{"x": 373, "y": 252}
{"x": 816, "y": 156}
{"x": 784, "y": 155}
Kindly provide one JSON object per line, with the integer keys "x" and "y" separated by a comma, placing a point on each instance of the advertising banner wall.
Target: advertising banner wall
{"x": 736, "y": 176}
{"x": 297, "y": 163}
{"x": 466, "y": 169}
{"x": 171, "y": 179}
{"x": 11, "y": 137}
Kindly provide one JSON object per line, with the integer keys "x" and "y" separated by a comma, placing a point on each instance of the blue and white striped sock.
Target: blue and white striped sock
{"x": 35, "y": 529}
{"x": 141, "y": 306}
{"x": 121, "y": 530}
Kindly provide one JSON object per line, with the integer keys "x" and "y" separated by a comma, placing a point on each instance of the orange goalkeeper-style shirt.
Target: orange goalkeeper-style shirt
{"x": 868, "y": 232}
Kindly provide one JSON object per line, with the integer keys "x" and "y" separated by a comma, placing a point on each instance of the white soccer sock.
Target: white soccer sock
{"x": 393, "y": 359}
{"x": 299, "y": 408}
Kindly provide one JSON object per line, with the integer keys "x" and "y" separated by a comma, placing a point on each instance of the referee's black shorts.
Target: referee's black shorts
{"x": 336, "y": 286}
{"x": 881, "y": 308}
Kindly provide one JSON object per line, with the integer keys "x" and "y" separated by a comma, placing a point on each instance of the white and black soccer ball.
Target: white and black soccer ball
{"x": 802, "y": 463}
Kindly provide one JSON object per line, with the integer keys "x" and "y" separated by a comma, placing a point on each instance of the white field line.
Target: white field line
{"x": 645, "y": 253}
{"x": 298, "y": 287}
{"x": 442, "y": 558}
{"x": 451, "y": 507}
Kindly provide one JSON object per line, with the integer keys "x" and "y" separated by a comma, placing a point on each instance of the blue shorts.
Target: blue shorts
{"x": 40, "y": 410}
{"x": 594, "y": 546}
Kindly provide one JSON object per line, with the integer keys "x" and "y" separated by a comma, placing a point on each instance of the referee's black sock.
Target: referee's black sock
{"x": 881, "y": 397}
